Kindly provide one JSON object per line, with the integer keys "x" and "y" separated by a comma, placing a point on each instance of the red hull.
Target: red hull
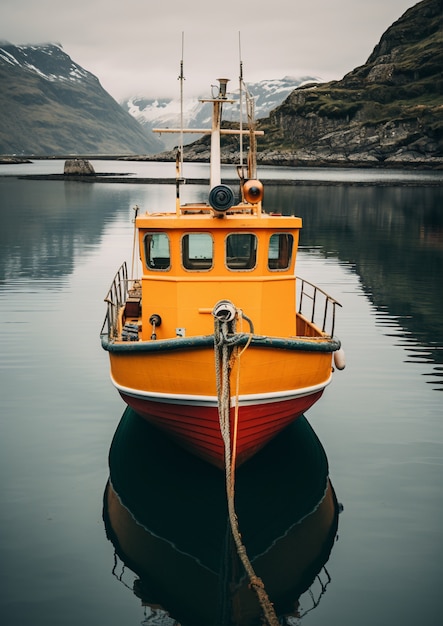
{"x": 197, "y": 428}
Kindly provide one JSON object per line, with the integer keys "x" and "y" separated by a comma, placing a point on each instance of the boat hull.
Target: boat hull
{"x": 197, "y": 427}
{"x": 176, "y": 391}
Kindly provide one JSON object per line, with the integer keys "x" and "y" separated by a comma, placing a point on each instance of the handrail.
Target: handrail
{"x": 115, "y": 298}
{"x": 309, "y": 291}
{"x": 118, "y": 293}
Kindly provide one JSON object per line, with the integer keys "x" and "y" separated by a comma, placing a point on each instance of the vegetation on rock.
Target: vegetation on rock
{"x": 388, "y": 110}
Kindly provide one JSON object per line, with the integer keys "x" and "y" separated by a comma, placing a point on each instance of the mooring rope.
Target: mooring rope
{"x": 227, "y": 352}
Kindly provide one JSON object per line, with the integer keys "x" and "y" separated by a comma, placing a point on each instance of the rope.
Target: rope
{"x": 226, "y": 353}
{"x": 237, "y": 354}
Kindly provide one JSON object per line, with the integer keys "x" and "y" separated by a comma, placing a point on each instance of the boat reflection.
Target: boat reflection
{"x": 165, "y": 513}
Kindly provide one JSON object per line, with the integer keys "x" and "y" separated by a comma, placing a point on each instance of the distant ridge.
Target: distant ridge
{"x": 165, "y": 112}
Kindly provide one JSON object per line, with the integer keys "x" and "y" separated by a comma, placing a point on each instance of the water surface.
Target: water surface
{"x": 376, "y": 249}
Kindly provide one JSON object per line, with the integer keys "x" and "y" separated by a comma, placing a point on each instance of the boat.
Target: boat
{"x": 164, "y": 511}
{"x": 216, "y": 340}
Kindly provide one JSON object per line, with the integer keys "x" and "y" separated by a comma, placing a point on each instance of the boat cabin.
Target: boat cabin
{"x": 189, "y": 260}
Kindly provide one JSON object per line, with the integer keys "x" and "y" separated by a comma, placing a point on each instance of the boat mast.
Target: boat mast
{"x": 224, "y": 195}
{"x": 217, "y": 109}
{"x": 252, "y": 161}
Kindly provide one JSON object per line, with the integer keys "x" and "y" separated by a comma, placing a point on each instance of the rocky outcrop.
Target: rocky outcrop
{"x": 393, "y": 142}
{"x": 10, "y": 160}
{"x": 386, "y": 112}
{"x": 78, "y": 167}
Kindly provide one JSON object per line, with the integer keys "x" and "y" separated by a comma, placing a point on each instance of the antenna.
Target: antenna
{"x": 241, "y": 100}
{"x": 181, "y": 78}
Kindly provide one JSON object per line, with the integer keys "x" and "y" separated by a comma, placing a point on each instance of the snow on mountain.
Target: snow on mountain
{"x": 165, "y": 112}
{"x": 47, "y": 60}
{"x": 269, "y": 94}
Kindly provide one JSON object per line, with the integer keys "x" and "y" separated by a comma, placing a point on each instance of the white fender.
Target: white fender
{"x": 340, "y": 359}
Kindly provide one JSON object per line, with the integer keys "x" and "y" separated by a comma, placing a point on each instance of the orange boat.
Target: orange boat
{"x": 217, "y": 342}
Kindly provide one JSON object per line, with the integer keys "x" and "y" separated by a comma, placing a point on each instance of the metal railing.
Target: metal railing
{"x": 313, "y": 303}
{"x": 316, "y": 305}
{"x": 115, "y": 298}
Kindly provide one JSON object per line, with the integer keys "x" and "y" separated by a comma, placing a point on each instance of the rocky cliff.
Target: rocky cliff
{"x": 387, "y": 112}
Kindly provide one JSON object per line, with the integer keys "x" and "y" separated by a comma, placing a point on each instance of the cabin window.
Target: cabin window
{"x": 241, "y": 251}
{"x": 157, "y": 252}
{"x": 197, "y": 251}
{"x": 280, "y": 251}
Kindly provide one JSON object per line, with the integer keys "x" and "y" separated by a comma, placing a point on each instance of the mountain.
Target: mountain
{"x": 166, "y": 112}
{"x": 50, "y": 105}
{"x": 387, "y": 112}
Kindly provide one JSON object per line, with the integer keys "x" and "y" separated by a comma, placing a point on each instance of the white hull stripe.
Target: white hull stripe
{"x": 211, "y": 401}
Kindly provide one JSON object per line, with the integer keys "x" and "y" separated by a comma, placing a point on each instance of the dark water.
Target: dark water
{"x": 377, "y": 249}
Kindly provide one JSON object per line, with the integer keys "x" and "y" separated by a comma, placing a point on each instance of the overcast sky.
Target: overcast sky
{"x": 135, "y": 47}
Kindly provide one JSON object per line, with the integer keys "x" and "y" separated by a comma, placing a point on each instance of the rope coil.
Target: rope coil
{"x": 227, "y": 353}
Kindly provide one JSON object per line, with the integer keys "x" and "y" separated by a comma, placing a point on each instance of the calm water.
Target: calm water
{"x": 377, "y": 249}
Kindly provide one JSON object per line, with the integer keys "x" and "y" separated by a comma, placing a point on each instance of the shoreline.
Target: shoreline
{"x": 119, "y": 178}
{"x": 418, "y": 165}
